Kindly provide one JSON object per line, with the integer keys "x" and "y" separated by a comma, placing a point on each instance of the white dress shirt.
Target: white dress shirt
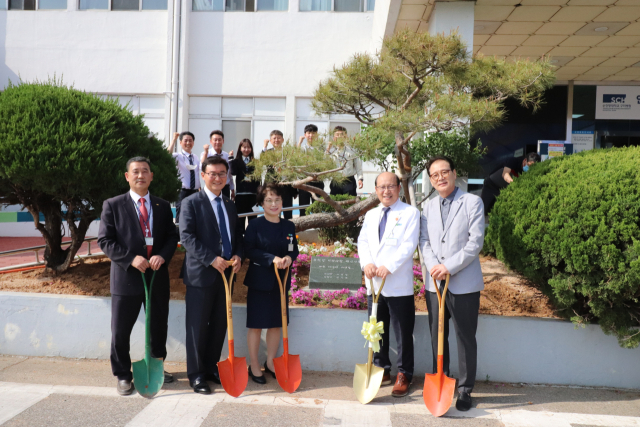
{"x": 214, "y": 205}
{"x": 182, "y": 160}
{"x": 225, "y": 156}
{"x": 353, "y": 166}
{"x": 136, "y": 197}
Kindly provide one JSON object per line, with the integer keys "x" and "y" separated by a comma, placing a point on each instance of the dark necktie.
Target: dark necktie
{"x": 144, "y": 223}
{"x": 192, "y": 181}
{"x": 383, "y": 223}
{"x": 222, "y": 223}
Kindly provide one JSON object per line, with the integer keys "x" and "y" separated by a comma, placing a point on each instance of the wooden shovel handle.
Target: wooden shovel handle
{"x": 283, "y": 302}
{"x": 441, "y": 308}
{"x": 376, "y": 295}
{"x": 227, "y": 291}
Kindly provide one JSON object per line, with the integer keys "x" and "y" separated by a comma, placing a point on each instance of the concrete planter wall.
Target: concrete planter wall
{"x": 511, "y": 349}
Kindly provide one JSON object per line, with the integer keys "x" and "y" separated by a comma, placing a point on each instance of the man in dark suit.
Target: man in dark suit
{"x": 138, "y": 235}
{"x": 211, "y": 234}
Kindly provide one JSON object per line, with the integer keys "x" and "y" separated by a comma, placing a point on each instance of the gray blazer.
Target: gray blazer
{"x": 457, "y": 245}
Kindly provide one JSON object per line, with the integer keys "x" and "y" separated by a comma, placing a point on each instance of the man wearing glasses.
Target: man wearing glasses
{"x": 386, "y": 244}
{"x": 211, "y": 234}
{"x": 451, "y": 238}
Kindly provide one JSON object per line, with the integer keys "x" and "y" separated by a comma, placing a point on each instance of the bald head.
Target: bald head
{"x": 387, "y": 188}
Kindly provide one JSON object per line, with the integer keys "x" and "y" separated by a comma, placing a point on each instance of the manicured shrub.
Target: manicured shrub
{"x": 339, "y": 233}
{"x": 572, "y": 225}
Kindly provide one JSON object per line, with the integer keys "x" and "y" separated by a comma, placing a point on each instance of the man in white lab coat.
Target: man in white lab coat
{"x": 386, "y": 244}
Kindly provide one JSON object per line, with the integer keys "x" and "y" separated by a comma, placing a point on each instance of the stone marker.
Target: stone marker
{"x": 335, "y": 273}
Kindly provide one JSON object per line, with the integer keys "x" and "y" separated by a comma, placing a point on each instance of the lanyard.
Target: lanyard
{"x": 145, "y": 222}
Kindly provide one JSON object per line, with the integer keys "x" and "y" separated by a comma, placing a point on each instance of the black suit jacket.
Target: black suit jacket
{"x": 239, "y": 169}
{"x": 121, "y": 239}
{"x": 200, "y": 236}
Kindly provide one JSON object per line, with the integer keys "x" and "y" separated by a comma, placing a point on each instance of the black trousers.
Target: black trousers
{"x": 347, "y": 187}
{"x": 244, "y": 204}
{"x": 227, "y": 191}
{"x": 463, "y": 309}
{"x": 287, "y": 201}
{"x": 304, "y": 197}
{"x": 124, "y": 313}
{"x": 400, "y": 313}
{"x": 206, "y": 320}
{"x": 184, "y": 193}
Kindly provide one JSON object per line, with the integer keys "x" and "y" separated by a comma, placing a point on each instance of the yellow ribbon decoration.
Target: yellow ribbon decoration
{"x": 371, "y": 331}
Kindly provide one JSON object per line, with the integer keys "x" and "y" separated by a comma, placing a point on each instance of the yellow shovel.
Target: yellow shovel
{"x": 367, "y": 378}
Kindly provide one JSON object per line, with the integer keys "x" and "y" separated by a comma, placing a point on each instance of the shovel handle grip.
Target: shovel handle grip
{"x": 376, "y": 295}
{"x": 227, "y": 291}
{"x": 441, "y": 308}
{"x": 283, "y": 301}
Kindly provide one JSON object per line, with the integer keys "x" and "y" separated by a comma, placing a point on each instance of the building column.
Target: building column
{"x": 454, "y": 16}
{"x": 569, "y": 111}
{"x": 290, "y": 119}
{"x": 385, "y": 16}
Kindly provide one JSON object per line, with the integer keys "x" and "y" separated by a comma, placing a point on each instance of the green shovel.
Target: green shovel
{"x": 148, "y": 373}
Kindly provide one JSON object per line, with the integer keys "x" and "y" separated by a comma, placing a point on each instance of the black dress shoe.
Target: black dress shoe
{"x": 168, "y": 378}
{"x": 267, "y": 370}
{"x": 257, "y": 379}
{"x": 213, "y": 378}
{"x": 124, "y": 387}
{"x": 199, "y": 385}
{"x": 464, "y": 402}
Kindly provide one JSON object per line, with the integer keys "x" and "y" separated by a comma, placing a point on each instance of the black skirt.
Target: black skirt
{"x": 263, "y": 309}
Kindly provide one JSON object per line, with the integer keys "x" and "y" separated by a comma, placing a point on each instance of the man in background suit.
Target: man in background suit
{"x": 211, "y": 234}
{"x": 451, "y": 238}
{"x": 138, "y": 235}
{"x": 386, "y": 244}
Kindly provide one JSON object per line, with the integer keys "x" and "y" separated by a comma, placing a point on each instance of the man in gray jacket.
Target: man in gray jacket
{"x": 451, "y": 238}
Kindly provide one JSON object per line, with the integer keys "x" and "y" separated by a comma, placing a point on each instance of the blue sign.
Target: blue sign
{"x": 614, "y": 98}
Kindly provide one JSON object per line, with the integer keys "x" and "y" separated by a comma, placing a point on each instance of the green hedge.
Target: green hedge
{"x": 339, "y": 233}
{"x": 572, "y": 225}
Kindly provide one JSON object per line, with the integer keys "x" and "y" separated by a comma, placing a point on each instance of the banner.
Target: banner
{"x": 582, "y": 140}
{"x": 618, "y": 103}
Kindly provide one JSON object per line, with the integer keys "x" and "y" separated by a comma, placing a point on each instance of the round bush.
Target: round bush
{"x": 572, "y": 226}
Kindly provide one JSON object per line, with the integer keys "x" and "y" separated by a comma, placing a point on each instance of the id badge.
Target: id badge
{"x": 290, "y": 247}
{"x": 148, "y": 241}
{"x": 392, "y": 241}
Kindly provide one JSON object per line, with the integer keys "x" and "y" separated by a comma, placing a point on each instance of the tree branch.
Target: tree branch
{"x": 331, "y": 219}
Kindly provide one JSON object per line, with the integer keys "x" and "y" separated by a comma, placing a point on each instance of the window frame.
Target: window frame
{"x": 363, "y": 8}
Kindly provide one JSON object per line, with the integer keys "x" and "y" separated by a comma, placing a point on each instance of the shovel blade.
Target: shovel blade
{"x": 234, "y": 381}
{"x": 438, "y": 393}
{"x": 148, "y": 385}
{"x": 289, "y": 375}
{"x": 365, "y": 390}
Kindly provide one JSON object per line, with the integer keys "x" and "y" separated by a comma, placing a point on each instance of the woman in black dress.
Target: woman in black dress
{"x": 268, "y": 240}
{"x": 246, "y": 189}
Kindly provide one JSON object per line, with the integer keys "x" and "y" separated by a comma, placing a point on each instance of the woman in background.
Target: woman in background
{"x": 246, "y": 189}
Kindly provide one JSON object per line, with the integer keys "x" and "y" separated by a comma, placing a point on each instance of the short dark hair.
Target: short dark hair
{"x": 274, "y": 188}
{"x": 138, "y": 159}
{"x": 214, "y": 160}
{"x": 186, "y": 132}
{"x": 339, "y": 129}
{"x": 375, "y": 182}
{"x": 436, "y": 158}
{"x": 276, "y": 132}
{"x": 216, "y": 132}
{"x": 310, "y": 128}
{"x": 533, "y": 157}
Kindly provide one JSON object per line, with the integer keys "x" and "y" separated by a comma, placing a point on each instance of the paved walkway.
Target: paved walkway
{"x": 11, "y": 243}
{"x": 68, "y": 392}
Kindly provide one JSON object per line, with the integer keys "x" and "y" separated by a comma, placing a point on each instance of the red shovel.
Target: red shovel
{"x": 288, "y": 369}
{"x": 438, "y": 388}
{"x": 233, "y": 371}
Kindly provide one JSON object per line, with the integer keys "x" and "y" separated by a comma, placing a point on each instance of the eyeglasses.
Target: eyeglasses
{"x": 221, "y": 175}
{"x": 442, "y": 174}
{"x": 388, "y": 187}
{"x": 272, "y": 201}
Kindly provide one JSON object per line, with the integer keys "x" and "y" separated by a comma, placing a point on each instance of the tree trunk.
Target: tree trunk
{"x": 402, "y": 165}
{"x": 412, "y": 191}
{"x": 331, "y": 219}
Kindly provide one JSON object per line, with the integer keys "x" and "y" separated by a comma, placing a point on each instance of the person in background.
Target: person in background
{"x": 276, "y": 139}
{"x": 386, "y": 244}
{"x": 246, "y": 189}
{"x": 138, "y": 235}
{"x": 352, "y": 170}
{"x": 451, "y": 238}
{"x": 188, "y": 166}
{"x": 216, "y": 138}
{"x": 268, "y": 241}
{"x": 308, "y": 142}
{"x": 502, "y": 176}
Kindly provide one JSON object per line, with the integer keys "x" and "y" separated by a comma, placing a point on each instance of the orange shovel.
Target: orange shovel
{"x": 439, "y": 388}
{"x": 288, "y": 369}
{"x": 233, "y": 371}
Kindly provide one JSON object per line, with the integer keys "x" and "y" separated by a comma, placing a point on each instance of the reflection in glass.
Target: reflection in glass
{"x": 315, "y": 5}
{"x": 273, "y": 5}
{"x": 348, "y": 5}
{"x": 153, "y": 4}
{"x": 93, "y": 4}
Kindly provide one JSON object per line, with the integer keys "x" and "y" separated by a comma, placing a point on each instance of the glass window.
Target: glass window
{"x": 234, "y": 5}
{"x": 125, "y": 4}
{"x": 22, "y": 4}
{"x": 371, "y": 4}
{"x": 52, "y": 4}
{"x": 273, "y": 5}
{"x": 237, "y": 107}
{"x": 234, "y": 132}
{"x": 348, "y": 5}
{"x": 315, "y": 5}
{"x": 153, "y": 4}
{"x": 273, "y": 107}
{"x": 208, "y": 5}
{"x": 201, "y": 128}
{"x": 93, "y": 4}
